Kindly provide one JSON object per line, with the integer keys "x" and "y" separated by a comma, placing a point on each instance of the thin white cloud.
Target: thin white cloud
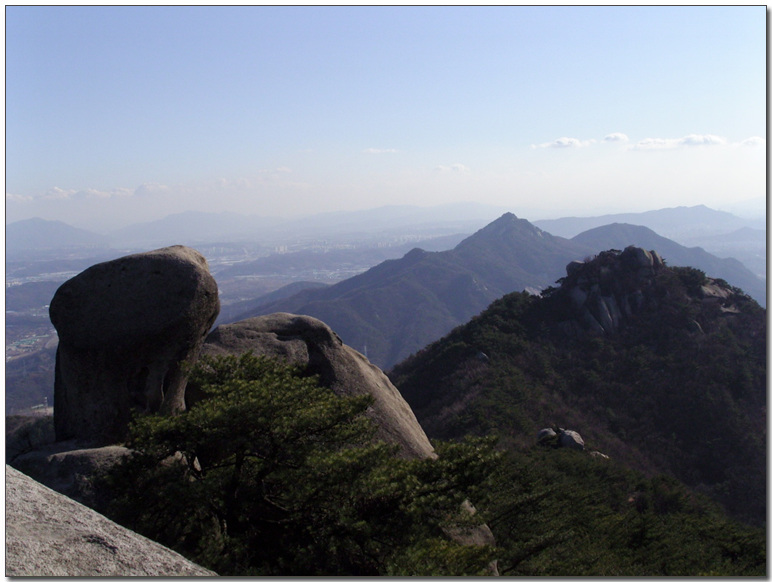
{"x": 379, "y": 151}
{"x": 564, "y": 143}
{"x": 616, "y": 137}
{"x": 453, "y": 168}
{"x": 691, "y": 140}
{"x": 17, "y": 198}
{"x": 754, "y": 142}
{"x": 57, "y": 193}
{"x": 114, "y": 193}
{"x": 151, "y": 189}
{"x": 698, "y": 140}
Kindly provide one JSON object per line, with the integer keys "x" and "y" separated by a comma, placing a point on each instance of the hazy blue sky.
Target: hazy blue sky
{"x": 115, "y": 115}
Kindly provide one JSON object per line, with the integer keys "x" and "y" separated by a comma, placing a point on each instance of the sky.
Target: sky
{"x": 117, "y": 115}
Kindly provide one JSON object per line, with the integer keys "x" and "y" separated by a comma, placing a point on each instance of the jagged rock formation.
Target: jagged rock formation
{"x": 620, "y": 236}
{"x": 48, "y": 534}
{"x": 307, "y": 342}
{"x": 125, "y": 328}
{"x": 609, "y": 288}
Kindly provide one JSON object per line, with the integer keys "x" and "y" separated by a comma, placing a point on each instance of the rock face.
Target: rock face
{"x": 606, "y": 290}
{"x": 125, "y": 328}
{"x": 307, "y": 342}
{"x": 48, "y": 534}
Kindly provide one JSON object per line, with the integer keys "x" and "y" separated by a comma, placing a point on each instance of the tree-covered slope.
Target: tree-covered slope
{"x": 661, "y": 368}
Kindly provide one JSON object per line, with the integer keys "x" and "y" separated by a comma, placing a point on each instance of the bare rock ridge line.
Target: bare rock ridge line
{"x": 48, "y": 534}
{"x": 307, "y": 342}
{"x": 125, "y": 327}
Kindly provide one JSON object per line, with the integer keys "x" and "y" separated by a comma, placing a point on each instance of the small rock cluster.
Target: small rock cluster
{"x": 561, "y": 438}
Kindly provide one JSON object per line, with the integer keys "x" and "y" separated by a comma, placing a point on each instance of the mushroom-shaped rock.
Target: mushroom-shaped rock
{"x": 309, "y": 343}
{"x": 125, "y": 328}
{"x": 571, "y": 439}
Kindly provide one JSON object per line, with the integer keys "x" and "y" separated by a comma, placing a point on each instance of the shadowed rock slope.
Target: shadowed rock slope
{"x": 399, "y": 306}
{"x": 48, "y": 534}
{"x": 662, "y": 368}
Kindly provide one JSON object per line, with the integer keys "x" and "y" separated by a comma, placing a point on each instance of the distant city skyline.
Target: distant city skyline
{"x": 117, "y": 115}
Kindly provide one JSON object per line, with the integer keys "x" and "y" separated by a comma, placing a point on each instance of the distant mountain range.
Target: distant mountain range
{"x": 687, "y": 225}
{"x": 399, "y": 306}
{"x": 39, "y": 234}
{"x": 684, "y": 224}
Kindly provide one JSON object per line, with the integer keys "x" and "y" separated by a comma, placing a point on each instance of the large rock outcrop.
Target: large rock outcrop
{"x": 125, "y": 328}
{"x": 48, "y": 534}
{"x": 605, "y": 291}
{"x": 307, "y": 342}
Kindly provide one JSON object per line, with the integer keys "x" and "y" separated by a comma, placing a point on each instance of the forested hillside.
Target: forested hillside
{"x": 663, "y": 369}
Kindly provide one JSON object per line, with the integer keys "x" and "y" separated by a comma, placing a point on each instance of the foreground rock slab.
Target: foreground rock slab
{"x": 48, "y": 534}
{"x": 125, "y": 329}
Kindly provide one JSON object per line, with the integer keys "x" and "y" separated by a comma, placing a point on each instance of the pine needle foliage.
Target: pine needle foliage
{"x": 273, "y": 474}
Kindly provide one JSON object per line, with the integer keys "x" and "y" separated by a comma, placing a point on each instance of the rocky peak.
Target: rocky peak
{"x": 603, "y": 292}
{"x": 599, "y": 295}
{"x": 125, "y": 329}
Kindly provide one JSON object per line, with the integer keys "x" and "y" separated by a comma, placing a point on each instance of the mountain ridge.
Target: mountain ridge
{"x": 378, "y": 310}
{"x": 400, "y": 305}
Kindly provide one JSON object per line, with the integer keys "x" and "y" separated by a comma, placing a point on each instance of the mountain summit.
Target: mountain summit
{"x": 399, "y": 306}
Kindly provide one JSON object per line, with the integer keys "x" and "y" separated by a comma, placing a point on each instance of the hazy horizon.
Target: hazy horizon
{"x": 117, "y": 115}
